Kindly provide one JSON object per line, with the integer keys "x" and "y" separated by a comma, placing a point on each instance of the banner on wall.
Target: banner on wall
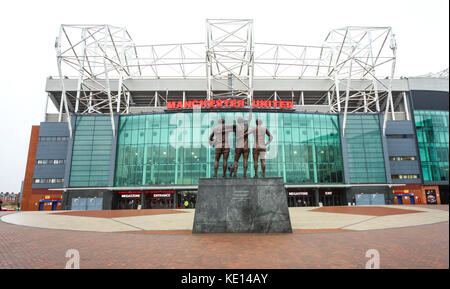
{"x": 431, "y": 197}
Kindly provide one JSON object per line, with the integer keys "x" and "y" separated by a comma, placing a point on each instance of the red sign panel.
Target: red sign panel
{"x": 229, "y": 103}
{"x": 162, "y": 192}
{"x": 130, "y": 192}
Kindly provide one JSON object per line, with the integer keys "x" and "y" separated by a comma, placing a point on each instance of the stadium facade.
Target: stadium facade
{"x": 133, "y": 124}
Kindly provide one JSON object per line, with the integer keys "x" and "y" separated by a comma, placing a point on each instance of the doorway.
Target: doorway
{"x": 330, "y": 200}
{"x": 129, "y": 203}
{"x": 87, "y": 204}
{"x": 300, "y": 201}
{"x": 159, "y": 200}
{"x": 159, "y": 203}
{"x": 186, "y": 200}
{"x": 443, "y": 192}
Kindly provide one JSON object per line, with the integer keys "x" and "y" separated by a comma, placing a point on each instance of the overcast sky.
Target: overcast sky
{"x": 29, "y": 28}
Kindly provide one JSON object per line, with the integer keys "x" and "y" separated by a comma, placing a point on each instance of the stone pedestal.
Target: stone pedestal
{"x": 238, "y": 205}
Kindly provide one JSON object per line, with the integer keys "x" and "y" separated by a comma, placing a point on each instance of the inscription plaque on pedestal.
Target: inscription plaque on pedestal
{"x": 234, "y": 205}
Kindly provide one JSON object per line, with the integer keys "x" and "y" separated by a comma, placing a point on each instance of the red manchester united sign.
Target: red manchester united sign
{"x": 229, "y": 103}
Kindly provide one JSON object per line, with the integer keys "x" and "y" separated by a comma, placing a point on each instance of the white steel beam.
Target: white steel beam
{"x": 406, "y": 105}
{"x": 108, "y": 88}
{"x": 227, "y": 61}
{"x": 229, "y": 57}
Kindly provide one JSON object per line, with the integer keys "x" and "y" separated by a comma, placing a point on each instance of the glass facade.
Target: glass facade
{"x": 91, "y": 154}
{"x": 170, "y": 149}
{"x": 364, "y": 149}
{"x": 432, "y": 135}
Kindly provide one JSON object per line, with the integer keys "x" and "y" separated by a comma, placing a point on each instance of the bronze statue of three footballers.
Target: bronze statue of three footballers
{"x": 241, "y": 131}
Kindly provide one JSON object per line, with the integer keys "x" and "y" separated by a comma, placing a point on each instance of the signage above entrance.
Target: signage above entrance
{"x": 162, "y": 195}
{"x": 229, "y": 103}
{"x": 130, "y": 196}
{"x": 298, "y": 193}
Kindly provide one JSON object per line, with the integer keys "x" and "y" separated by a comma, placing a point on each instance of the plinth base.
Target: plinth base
{"x": 238, "y": 205}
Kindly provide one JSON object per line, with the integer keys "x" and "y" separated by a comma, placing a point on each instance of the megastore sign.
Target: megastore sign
{"x": 229, "y": 103}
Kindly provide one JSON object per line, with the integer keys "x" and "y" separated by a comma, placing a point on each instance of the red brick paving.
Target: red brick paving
{"x": 295, "y": 231}
{"x": 414, "y": 247}
{"x": 313, "y": 231}
{"x": 119, "y": 213}
{"x": 362, "y": 210}
{"x": 189, "y": 232}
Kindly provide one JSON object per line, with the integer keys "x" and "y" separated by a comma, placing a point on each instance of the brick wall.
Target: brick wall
{"x": 27, "y": 199}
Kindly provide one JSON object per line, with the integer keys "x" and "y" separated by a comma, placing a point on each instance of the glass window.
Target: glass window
{"x": 364, "y": 149}
{"x": 92, "y": 151}
{"x": 432, "y": 137}
{"x": 307, "y": 149}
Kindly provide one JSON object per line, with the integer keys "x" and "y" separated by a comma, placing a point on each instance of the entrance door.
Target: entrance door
{"x": 129, "y": 203}
{"x": 310, "y": 201}
{"x": 41, "y": 206}
{"x": 82, "y": 204}
{"x": 190, "y": 197}
{"x": 94, "y": 204}
{"x": 293, "y": 201}
{"x": 412, "y": 200}
{"x": 362, "y": 199}
{"x": 54, "y": 204}
{"x": 400, "y": 200}
{"x": 377, "y": 199}
{"x": 329, "y": 200}
{"x": 290, "y": 201}
{"x": 336, "y": 200}
{"x": 76, "y": 204}
{"x": 299, "y": 201}
{"x": 159, "y": 203}
{"x": 444, "y": 195}
{"x": 306, "y": 201}
{"x": 296, "y": 201}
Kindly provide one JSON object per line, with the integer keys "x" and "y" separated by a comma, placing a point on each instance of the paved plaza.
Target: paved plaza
{"x": 326, "y": 237}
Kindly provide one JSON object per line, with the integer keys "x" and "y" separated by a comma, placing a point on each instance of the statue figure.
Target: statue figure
{"x": 221, "y": 145}
{"x": 259, "y": 146}
{"x": 242, "y": 148}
